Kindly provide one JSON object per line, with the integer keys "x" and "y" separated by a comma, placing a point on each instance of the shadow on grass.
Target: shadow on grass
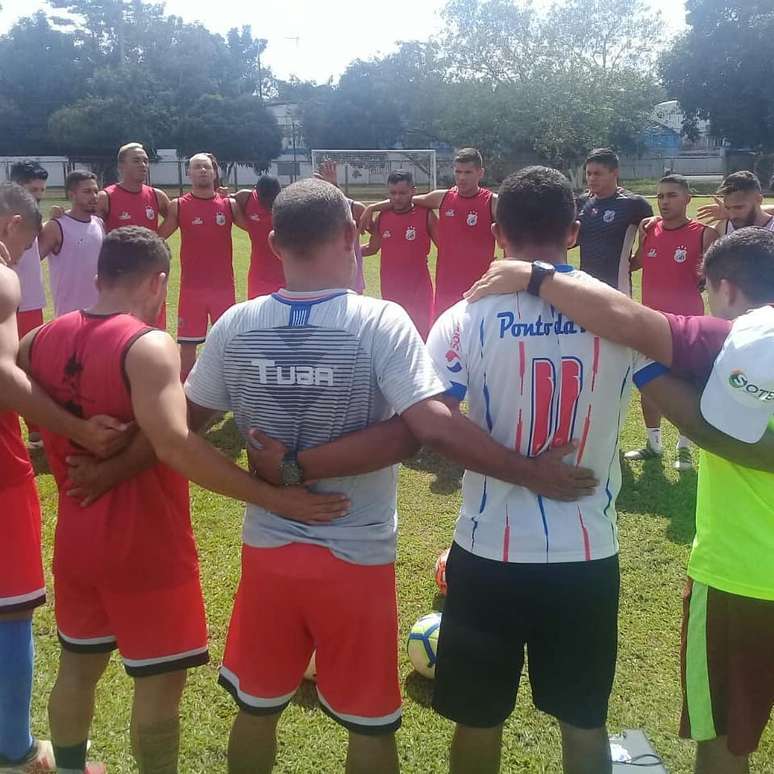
{"x": 448, "y": 476}
{"x": 226, "y": 437}
{"x": 39, "y": 462}
{"x": 654, "y": 493}
{"x": 306, "y": 695}
{"x": 419, "y": 688}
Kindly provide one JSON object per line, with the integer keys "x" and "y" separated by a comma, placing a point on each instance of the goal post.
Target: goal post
{"x": 362, "y": 174}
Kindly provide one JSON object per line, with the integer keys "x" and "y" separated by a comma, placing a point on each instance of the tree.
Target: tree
{"x": 720, "y": 69}
{"x": 31, "y": 48}
{"x": 233, "y": 128}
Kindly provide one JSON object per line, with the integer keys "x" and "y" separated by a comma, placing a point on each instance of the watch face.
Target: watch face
{"x": 544, "y": 265}
{"x": 291, "y": 473}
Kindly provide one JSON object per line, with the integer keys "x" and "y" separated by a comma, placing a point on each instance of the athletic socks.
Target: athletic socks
{"x": 17, "y": 654}
{"x": 71, "y": 760}
{"x": 683, "y": 442}
{"x": 158, "y": 747}
{"x": 654, "y": 439}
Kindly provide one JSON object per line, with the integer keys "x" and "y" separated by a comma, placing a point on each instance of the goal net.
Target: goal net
{"x": 362, "y": 174}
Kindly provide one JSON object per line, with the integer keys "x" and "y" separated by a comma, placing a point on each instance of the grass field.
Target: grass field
{"x": 656, "y": 517}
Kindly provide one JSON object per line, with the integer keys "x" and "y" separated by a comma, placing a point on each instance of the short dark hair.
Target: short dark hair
{"x": 469, "y": 156}
{"x": 267, "y": 188}
{"x": 675, "y": 179}
{"x": 400, "y": 176}
{"x": 27, "y": 171}
{"x": 308, "y": 213}
{"x": 15, "y": 200}
{"x": 746, "y": 258}
{"x": 607, "y": 157}
{"x": 75, "y": 178}
{"x": 535, "y": 205}
{"x": 130, "y": 253}
{"x": 738, "y": 182}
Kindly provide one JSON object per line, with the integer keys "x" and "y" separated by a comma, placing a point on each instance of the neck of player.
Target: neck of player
{"x": 203, "y": 192}
{"x": 549, "y": 253}
{"x": 79, "y": 213}
{"x": 120, "y": 300}
{"x": 675, "y": 222}
{"x": 129, "y": 185}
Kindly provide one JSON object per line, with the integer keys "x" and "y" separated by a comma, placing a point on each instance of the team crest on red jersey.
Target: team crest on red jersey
{"x": 150, "y": 213}
{"x": 220, "y": 219}
{"x": 411, "y": 234}
{"x": 681, "y": 254}
{"x": 472, "y": 218}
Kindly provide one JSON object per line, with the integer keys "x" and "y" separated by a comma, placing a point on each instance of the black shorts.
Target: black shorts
{"x": 565, "y": 613}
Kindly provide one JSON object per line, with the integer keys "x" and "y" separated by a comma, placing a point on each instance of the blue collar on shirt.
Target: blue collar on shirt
{"x": 564, "y": 268}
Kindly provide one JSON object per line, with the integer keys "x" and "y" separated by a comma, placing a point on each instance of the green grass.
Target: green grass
{"x": 656, "y": 510}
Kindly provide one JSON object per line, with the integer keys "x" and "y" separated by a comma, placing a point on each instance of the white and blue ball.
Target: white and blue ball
{"x": 422, "y": 644}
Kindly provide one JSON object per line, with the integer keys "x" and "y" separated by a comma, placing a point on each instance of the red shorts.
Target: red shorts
{"x": 155, "y": 631}
{"x": 28, "y": 321}
{"x": 161, "y": 320}
{"x": 727, "y": 667}
{"x": 298, "y": 599}
{"x": 258, "y": 287}
{"x": 196, "y": 307}
{"x": 22, "y": 586}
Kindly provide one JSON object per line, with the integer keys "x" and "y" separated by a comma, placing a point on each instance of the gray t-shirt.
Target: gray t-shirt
{"x": 307, "y": 368}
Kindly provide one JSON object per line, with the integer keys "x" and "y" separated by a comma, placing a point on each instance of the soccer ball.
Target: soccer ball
{"x": 440, "y": 571}
{"x": 311, "y": 670}
{"x": 423, "y": 644}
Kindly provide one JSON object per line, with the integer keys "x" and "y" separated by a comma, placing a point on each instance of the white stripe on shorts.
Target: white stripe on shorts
{"x": 20, "y": 599}
{"x": 385, "y": 720}
{"x": 142, "y": 662}
{"x": 87, "y": 640}
{"x": 253, "y": 701}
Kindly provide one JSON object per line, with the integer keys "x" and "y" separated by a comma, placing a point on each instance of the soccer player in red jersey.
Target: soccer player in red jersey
{"x": 204, "y": 218}
{"x": 125, "y": 566}
{"x": 466, "y": 212}
{"x": 22, "y": 586}
{"x": 403, "y": 235}
{"x": 670, "y": 253}
{"x": 130, "y": 202}
{"x": 265, "y": 275}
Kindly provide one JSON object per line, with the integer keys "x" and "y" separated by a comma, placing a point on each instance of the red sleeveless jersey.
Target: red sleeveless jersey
{"x": 205, "y": 242}
{"x": 130, "y": 208}
{"x": 671, "y": 261}
{"x": 265, "y": 275}
{"x": 405, "y": 245}
{"x": 15, "y": 465}
{"x": 404, "y": 274}
{"x": 466, "y": 245}
{"x": 140, "y": 531}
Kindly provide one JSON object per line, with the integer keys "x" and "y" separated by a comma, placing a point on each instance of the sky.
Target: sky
{"x": 315, "y": 40}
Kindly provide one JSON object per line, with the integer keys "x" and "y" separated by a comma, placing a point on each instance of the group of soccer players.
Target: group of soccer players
{"x": 336, "y": 388}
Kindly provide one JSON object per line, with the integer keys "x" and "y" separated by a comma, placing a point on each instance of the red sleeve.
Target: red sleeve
{"x": 696, "y": 342}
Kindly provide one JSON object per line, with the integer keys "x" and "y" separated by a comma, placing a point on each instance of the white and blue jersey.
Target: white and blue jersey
{"x": 307, "y": 368}
{"x": 534, "y": 379}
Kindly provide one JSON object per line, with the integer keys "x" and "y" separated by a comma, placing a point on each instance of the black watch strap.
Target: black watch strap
{"x": 540, "y": 271}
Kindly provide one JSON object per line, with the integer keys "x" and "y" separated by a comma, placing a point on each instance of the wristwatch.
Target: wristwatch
{"x": 290, "y": 470}
{"x": 540, "y": 271}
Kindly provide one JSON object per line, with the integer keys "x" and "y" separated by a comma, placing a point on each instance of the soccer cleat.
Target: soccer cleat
{"x": 647, "y": 452}
{"x": 684, "y": 461}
